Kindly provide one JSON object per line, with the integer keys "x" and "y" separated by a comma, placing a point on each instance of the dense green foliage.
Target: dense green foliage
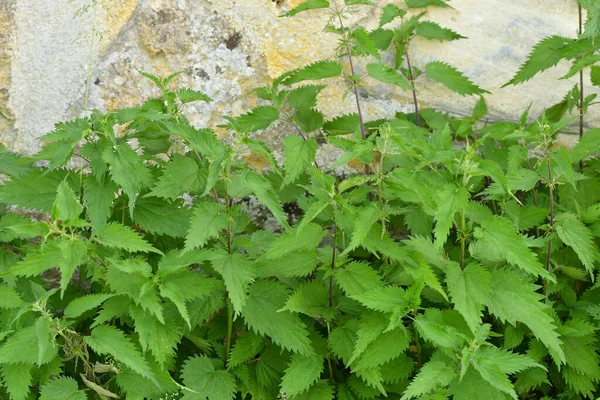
{"x": 459, "y": 263}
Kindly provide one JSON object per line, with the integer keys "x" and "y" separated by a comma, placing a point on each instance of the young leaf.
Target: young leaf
{"x": 186, "y": 95}
{"x": 9, "y": 298}
{"x": 595, "y": 75}
{"x": 301, "y": 374}
{"x": 451, "y": 200}
{"x": 66, "y": 206}
{"x": 587, "y": 146}
{"x": 385, "y": 74}
{"x": 179, "y": 176}
{"x": 266, "y": 195}
{"x": 73, "y": 254}
{"x": 390, "y": 12}
{"x": 307, "y": 5}
{"x": 311, "y": 299}
{"x": 122, "y": 237}
{"x": 363, "y": 43}
{"x": 128, "y": 170}
{"x": 207, "y": 378}
{"x": 480, "y": 109}
{"x": 258, "y": 119}
{"x": 24, "y": 348}
{"x": 36, "y": 190}
{"x": 238, "y": 273}
{"x": 245, "y": 348}
{"x": 161, "y": 217}
{"x": 452, "y": 79}
{"x": 433, "y": 31}
{"x": 432, "y": 375}
{"x": 512, "y": 298}
{"x": 299, "y": 155}
{"x": 109, "y": 340}
{"x": 342, "y": 125}
{"x": 62, "y": 388}
{"x": 262, "y": 314}
{"x": 365, "y": 219}
{"x": 576, "y": 235}
{"x": 322, "y": 390}
{"x": 357, "y": 278}
{"x": 160, "y": 338}
{"x": 545, "y": 54}
{"x": 309, "y": 119}
{"x": 208, "y": 221}
{"x": 469, "y": 290}
{"x": 426, "y": 3}
{"x": 317, "y": 70}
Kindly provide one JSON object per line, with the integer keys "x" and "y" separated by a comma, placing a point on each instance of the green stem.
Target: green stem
{"x": 412, "y": 79}
{"x": 463, "y": 239}
{"x": 551, "y": 188}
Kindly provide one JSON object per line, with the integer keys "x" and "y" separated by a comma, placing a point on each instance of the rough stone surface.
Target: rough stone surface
{"x": 228, "y": 47}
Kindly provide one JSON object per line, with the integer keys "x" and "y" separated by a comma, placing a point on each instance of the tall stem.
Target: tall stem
{"x": 229, "y": 250}
{"x": 551, "y": 188}
{"x": 463, "y": 239}
{"x": 363, "y": 131}
{"x": 580, "y": 105}
{"x": 333, "y": 251}
{"x": 411, "y": 77}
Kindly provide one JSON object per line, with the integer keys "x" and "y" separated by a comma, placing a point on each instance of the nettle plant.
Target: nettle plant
{"x": 458, "y": 263}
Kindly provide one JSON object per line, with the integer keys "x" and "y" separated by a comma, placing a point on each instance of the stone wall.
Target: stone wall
{"x": 228, "y": 47}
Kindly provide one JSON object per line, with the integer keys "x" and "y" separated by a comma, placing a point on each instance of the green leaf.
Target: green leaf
{"x": 262, "y": 314}
{"x": 62, "y": 388}
{"x": 545, "y": 54}
{"x": 473, "y": 386}
{"x": 498, "y": 239}
{"x": 208, "y": 221}
{"x": 245, "y": 348}
{"x": 85, "y": 303}
{"x": 576, "y": 235}
{"x": 390, "y": 12}
{"x": 299, "y": 155}
{"x": 128, "y": 170}
{"x": 357, "y": 278}
{"x": 385, "y": 299}
{"x": 480, "y": 109}
{"x": 435, "y": 328}
{"x": 363, "y": 43}
{"x": 98, "y": 198}
{"x": 158, "y": 216}
{"x": 66, "y": 206}
{"x": 386, "y": 74}
{"x": 258, "y": 119}
{"x": 344, "y": 124}
{"x": 587, "y": 146}
{"x": 426, "y": 3}
{"x": 160, "y": 338}
{"x": 17, "y": 380}
{"x": 24, "y": 348}
{"x": 311, "y": 299}
{"x": 365, "y": 219}
{"x": 581, "y": 64}
{"x": 317, "y": 70}
{"x": 563, "y": 165}
{"x": 38, "y": 261}
{"x": 309, "y": 119}
{"x": 9, "y": 298}
{"x": 432, "y": 375}
{"x": 238, "y": 273}
{"x": 452, "y": 79}
{"x": 207, "y": 378}
{"x": 595, "y": 75}
{"x": 513, "y": 299}
{"x": 109, "y": 340}
{"x": 357, "y": 2}
{"x": 36, "y": 190}
{"x": 451, "y": 199}
{"x": 307, "y": 239}
{"x": 301, "y": 374}
{"x": 433, "y": 31}
{"x": 322, "y": 390}
{"x": 178, "y": 177}
{"x": 388, "y": 346}
{"x": 122, "y": 237}
{"x": 186, "y": 95}
{"x": 62, "y": 141}
{"x": 469, "y": 290}
{"x": 305, "y": 96}
{"x": 266, "y": 195}
{"x": 73, "y": 254}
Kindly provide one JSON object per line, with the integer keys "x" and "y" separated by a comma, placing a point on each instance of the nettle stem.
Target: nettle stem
{"x": 551, "y": 188}
{"x": 411, "y": 77}
{"x": 463, "y": 239}
{"x": 333, "y": 253}
{"x": 229, "y": 250}
{"x": 580, "y": 105}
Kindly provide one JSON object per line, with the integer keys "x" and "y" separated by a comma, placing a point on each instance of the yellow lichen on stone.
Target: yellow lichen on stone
{"x": 255, "y": 161}
{"x": 114, "y": 15}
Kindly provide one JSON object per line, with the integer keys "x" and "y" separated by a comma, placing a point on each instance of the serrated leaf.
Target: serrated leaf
{"x": 24, "y": 348}
{"x": 85, "y": 303}
{"x": 388, "y": 346}
{"x": 128, "y": 170}
{"x": 311, "y": 299}
{"x": 307, "y": 5}
{"x": 308, "y": 239}
{"x": 385, "y": 299}
{"x": 207, "y": 378}
{"x": 545, "y": 54}
{"x": 498, "y": 239}
{"x": 208, "y": 221}
{"x": 432, "y": 375}
{"x": 245, "y": 348}
{"x": 38, "y": 261}
{"x": 576, "y": 235}
{"x": 451, "y": 199}
{"x": 433, "y": 31}
{"x": 480, "y": 109}
{"x": 299, "y": 155}
{"x": 357, "y": 278}
{"x": 36, "y": 190}
{"x": 98, "y": 197}
{"x": 9, "y": 298}
{"x": 158, "y": 216}
{"x": 160, "y": 338}
{"x": 363, "y": 43}
{"x": 62, "y": 388}
{"x": 305, "y": 96}
{"x": 309, "y": 119}
{"x": 389, "y": 13}
{"x": 587, "y": 146}
{"x": 17, "y": 379}
{"x": 267, "y": 196}
{"x": 473, "y": 386}
{"x": 178, "y": 177}
{"x": 261, "y": 313}
{"x": 322, "y": 390}
{"x": 317, "y": 70}
{"x": 365, "y": 219}
{"x": 452, "y": 79}
{"x": 73, "y": 254}
{"x": 426, "y": 3}
{"x": 302, "y": 372}
{"x": 65, "y": 206}
{"x": 385, "y": 74}
{"x": 123, "y": 237}
{"x": 238, "y": 273}
{"x": 109, "y": 340}
{"x": 469, "y": 290}
{"x": 343, "y": 124}
{"x": 186, "y": 95}
{"x": 433, "y": 327}
{"x": 258, "y": 119}
{"x": 513, "y": 299}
